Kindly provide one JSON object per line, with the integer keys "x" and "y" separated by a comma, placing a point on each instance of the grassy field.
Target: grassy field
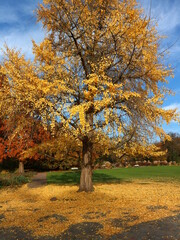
{"x": 160, "y": 173}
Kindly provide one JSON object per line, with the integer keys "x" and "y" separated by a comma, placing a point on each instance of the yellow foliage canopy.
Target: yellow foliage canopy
{"x": 97, "y": 72}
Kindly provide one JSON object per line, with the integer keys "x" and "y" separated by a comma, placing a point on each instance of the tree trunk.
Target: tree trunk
{"x": 86, "y": 184}
{"x": 21, "y": 167}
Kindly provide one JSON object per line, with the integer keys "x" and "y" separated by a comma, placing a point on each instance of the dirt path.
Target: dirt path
{"x": 38, "y": 180}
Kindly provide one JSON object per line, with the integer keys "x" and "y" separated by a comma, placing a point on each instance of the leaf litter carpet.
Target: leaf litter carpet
{"x": 113, "y": 211}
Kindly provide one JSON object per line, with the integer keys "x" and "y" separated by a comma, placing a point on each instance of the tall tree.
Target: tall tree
{"x": 97, "y": 72}
{"x": 19, "y": 129}
{"x": 173, "y": 147}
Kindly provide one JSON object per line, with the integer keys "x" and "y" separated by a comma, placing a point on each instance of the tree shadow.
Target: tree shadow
{"x": 73, "y": 178}
{"x": 105, "y": 178}
{"x": 64, "y": 178}
{"x": 165, "y": 228}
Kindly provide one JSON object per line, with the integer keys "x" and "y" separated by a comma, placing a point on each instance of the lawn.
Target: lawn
{"x": 160, "y": 173}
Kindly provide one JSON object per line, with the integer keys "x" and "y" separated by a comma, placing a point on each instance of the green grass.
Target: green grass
{"x": 160, "y": 173}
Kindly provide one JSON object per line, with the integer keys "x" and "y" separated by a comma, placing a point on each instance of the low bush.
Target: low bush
{"x": 11, "y": 179}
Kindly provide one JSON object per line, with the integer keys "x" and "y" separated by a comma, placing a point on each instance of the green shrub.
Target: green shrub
{"x": 18, "y": 180}
{"x": 12, "y": 180}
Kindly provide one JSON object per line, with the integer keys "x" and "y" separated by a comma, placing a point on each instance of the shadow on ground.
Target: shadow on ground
{"x": 65, "y": 178}
{"x": 105, "y": 178}
{"x": 163, "y": 229}
{"x": 74, "y": 178}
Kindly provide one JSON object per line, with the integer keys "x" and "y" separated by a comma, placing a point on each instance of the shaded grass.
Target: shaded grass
{"x": 160, "y": 173}
{"x": 61, "y": 178}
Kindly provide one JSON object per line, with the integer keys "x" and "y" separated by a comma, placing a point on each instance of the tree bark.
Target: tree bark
{"x": 86, "y": 184}
{"x": 21, "y": 167}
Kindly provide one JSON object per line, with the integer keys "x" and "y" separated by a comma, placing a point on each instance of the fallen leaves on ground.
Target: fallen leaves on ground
{"x": 51, "y": 209}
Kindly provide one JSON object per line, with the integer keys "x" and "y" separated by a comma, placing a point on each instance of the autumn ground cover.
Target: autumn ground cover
{"x": 160, "y": 173}
{"x": 112, "y": 211}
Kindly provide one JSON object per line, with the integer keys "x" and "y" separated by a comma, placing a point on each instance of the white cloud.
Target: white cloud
{"x": 18, "y": 26}
{"x": 165, "y": 12}
{"x": 168, "y": 19}
{"x": 173, "y": 106}
{"x": 173, "y": 126}
{"x": 23, "y": 39}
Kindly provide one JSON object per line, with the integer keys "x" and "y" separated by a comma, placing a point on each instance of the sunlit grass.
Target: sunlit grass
{"x": 160, "y": 173}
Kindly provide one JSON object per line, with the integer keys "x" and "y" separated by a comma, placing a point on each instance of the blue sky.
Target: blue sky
{"x": 18, "y": 27}
{"x": 166, "y": 13}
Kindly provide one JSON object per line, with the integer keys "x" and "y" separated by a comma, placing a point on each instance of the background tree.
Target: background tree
{"x": 3, "y": 137}
{"x": 12, "y": 146}
{"x": 97, "y": 72}
{"x": 20, "y": 129}
{"x": 63, "y": 151}
{"x": 172, "y": 147}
